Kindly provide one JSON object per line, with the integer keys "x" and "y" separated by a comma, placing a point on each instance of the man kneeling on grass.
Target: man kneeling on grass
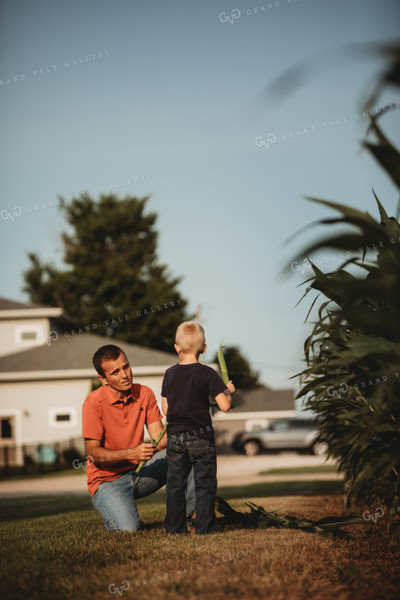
{"x": 185, "y": 393}
{"x": 113, "y": 420}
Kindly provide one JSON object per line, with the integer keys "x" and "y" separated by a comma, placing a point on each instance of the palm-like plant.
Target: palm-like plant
{"x": 353, "y": 356}
{"x": 352, "y": 378}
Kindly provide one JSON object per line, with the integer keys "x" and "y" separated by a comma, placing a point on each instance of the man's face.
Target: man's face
{"x": 117, "y": 374}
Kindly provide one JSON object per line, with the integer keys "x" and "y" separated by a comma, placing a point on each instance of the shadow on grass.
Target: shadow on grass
{"x": 282, "y": 488}
{"x": 31, "y": 507}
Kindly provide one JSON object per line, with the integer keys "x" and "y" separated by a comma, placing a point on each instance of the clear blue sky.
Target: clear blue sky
{"x": 98, "y": 92}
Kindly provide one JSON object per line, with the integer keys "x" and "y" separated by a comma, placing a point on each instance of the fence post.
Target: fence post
{"x": 40, "y": 463}
{"x": 57, "y": 461}
{"x": 6, "y": 461}
{"x": 24, "y": 456}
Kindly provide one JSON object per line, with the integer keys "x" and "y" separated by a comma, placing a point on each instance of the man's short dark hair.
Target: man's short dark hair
{"x": 109, "y": 352}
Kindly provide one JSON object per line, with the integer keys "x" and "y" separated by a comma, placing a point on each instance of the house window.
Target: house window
{"x": 63, "y": 417}
{"x": 27, "y": 335}
{"x": 6, "y": 429}
{"x": 10, "y": 436}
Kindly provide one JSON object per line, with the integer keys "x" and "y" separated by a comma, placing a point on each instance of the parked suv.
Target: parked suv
{"x": 284, "y": 434}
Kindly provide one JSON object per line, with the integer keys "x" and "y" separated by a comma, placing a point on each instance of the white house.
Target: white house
{"x": 45, "y": 375}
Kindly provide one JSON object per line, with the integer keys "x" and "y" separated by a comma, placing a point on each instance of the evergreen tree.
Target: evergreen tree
{"x": 239, "y": 369}
{"x": 112, "y": 277}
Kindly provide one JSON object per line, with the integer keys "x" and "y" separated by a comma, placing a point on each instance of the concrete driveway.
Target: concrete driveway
{"x": 244, "y": 470}
{"x": 232, "y": 470}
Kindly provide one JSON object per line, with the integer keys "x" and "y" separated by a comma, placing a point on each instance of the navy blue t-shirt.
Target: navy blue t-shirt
{"x": 187, "y": 389}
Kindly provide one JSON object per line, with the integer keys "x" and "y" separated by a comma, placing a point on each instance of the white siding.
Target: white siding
{"x": 35, "y": 400}
{"x": 38, "y": 401}
{"x": 11, "y": 334}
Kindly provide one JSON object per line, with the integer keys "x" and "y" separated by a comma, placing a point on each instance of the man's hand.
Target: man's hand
{"x": 107, "y": 458}
{"x": 143, "y": 452}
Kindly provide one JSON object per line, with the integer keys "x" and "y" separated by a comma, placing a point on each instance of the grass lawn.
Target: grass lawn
{"x": 55, "y": 547}
{"x": 16, "y": 473}
{"x": 300, "y": 470}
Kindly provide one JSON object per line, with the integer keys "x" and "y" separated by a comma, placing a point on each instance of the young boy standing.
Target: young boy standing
{"x": 185, "y": 394}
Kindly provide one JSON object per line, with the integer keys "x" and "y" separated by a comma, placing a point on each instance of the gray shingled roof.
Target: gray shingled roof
{"x": 264, "y": 399}
{"x": 75, "y": 352}
{"x": 62, "y": 321}
{"x": 6, "y": 304}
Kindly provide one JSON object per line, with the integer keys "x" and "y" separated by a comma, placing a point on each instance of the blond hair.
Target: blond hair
{"x": 190, "y": 337}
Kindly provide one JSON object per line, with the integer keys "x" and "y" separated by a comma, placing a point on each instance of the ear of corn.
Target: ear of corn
{"x": 155, "y": 442}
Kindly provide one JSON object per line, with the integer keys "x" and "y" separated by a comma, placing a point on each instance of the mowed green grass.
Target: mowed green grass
{"x": 16, "y": 475}
{"x": 301, "y": 470}
{"x": 55, "y": 547}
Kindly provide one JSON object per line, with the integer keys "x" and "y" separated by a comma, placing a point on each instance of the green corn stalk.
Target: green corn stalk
{"x": 224, "y": 374}
{"x": 155, "y": 442}
{"x": 222, "y": 364}
{"x": 259, "y": 518}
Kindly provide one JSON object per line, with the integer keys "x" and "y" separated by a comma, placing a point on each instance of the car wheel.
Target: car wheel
{"x": 319, "y": 448}
{"x": 251, "y": 448}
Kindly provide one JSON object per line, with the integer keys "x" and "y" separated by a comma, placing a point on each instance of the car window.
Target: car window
{"x": 301, "y": 424}
{"x": 280, "y": 426}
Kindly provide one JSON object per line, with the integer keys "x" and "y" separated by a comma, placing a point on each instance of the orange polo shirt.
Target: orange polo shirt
{"x": 118, "y": 425}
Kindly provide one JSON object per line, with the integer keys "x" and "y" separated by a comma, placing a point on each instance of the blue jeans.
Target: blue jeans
{"x": 185, "y": 451}
{"x": 115, "y": 500}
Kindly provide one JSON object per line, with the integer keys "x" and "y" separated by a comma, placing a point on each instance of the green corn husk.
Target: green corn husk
{"x": 259, "y": 518}
{"x": 155, "y": 442}
{"x": 222, "y": 364}
{"x": 224, "y": 376}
